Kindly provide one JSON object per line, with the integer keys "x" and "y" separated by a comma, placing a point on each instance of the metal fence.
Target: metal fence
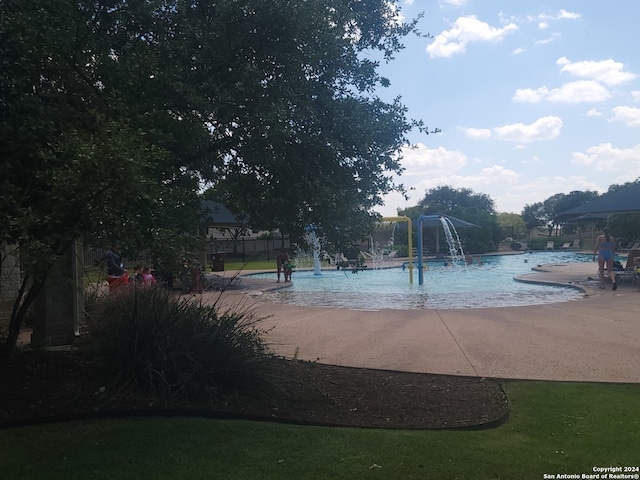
{"x": 268, "y": 248}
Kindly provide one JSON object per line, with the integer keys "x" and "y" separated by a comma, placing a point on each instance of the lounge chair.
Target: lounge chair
{"x": 550, "y": 245}
{"x": 391, "y": 255}
{"x": 576, "y": 244}
{"x": 627, "y": 275}
{"x": 365, "y": 255}
{"x": 623, "y": 248}
{"x": 566, "y": 245}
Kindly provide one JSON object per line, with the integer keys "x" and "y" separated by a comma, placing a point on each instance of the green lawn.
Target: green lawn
{"x": 253, "y": 264}
{"x": 555, "y": 428}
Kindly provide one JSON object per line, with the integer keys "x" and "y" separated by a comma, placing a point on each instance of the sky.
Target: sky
{"x": 533, "y": 98}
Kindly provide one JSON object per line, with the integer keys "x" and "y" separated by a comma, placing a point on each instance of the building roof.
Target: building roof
{"x": 625, "y": 200}
{"x": 221, "y": 216}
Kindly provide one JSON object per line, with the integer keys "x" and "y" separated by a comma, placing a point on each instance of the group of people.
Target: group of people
{"x": 468, "y": 259}
{"x": 118, "y": 275}
{"x": 142, "y": 275}
{"x": 284, "y": 265}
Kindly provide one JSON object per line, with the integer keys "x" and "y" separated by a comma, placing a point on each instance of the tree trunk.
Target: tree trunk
{"x": 24, "y": 300}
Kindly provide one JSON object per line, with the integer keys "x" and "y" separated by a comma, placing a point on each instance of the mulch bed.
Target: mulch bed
{"x": 43, "y": 386}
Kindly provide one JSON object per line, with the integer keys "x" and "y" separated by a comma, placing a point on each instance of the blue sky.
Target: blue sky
{"x": 533, "y": 98}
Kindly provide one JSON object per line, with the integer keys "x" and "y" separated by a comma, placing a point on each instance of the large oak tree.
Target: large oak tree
{"x": 116, "y": 113}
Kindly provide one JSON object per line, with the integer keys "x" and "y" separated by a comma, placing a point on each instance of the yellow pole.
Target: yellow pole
{"x": 410, "y": 240}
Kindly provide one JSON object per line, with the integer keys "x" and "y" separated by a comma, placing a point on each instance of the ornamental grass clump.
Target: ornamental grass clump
{"x": 177, "y": 349}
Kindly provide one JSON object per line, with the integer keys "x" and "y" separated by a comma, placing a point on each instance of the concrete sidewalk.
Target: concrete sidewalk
{"x": 596, "y": 338}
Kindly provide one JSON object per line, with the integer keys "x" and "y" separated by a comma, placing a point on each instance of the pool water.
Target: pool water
{"x": 475, "y": 286}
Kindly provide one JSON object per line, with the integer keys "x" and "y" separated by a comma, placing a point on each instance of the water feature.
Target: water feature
{"x": 313, "y": 241}
{"x": 436, "y": 220}
{"x": 302, "y": 258}
{"x": 378, "y": 255}
{"x": 473, "y": 286}
{"x": 455, "y": 245}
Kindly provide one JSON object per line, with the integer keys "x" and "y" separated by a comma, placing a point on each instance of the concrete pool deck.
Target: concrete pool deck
{"x": 596, "y": 338}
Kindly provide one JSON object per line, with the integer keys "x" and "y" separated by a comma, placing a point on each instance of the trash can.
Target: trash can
{"x": 217, "y": 264}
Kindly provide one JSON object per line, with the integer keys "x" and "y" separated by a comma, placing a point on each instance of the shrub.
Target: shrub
{"x": 177, "y": 349}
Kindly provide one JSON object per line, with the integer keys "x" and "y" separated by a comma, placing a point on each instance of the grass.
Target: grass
{"x": 555, "y": 428}
{"x": 250, "y": 264}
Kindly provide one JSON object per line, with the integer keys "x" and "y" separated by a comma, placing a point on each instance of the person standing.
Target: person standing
{"x": 281, "y": 260}
{"x": 605, "y": 248}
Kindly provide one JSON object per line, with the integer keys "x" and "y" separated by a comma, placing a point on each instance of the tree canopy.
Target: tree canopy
{"x": 271, "y": 103}
{"x": 512, "y": 225}
{"x": 545, "y": 213}
{"x": 116, "y": 114}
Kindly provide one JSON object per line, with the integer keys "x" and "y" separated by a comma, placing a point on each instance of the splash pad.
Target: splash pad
{"x": 445, "y": 287}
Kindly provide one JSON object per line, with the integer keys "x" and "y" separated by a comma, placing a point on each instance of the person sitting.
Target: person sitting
{"x": 137, "y": 274}
{"x": 117, "y": 275}
{"x": 633, "y": 259}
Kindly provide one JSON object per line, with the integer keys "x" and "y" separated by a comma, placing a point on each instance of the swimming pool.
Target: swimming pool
{"x": 474, "y": 286}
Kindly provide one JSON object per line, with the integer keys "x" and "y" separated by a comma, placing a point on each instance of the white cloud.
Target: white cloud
{"x": 543, "y": 18}
{"x": 453, "y": 3}
{"x": 561, "y": 15}
{"x": 498, "y": 174}
{"x": 477, "y": 133}
{"x": 543, "y": 25}
{"x": 464, "y": 31}
{"x": 608, "y": 71}
{"x": 425, "y": 168}
{"x": 545, "y": 128}
{"x": 628, "y": 115}
{"x": 495, "y": 175}
{"x": 582, "y": 91}
{"x": 547, "y": 40}
{"x": 518, "y": 51}
{"x": 427, "y": 161}
{"x": 594, "y": 112}
{"x": 564, "y": 15}
{"x": 536, "y": 189}
{"x": 605, "y": 157}
{"x": 598, "y": 74}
